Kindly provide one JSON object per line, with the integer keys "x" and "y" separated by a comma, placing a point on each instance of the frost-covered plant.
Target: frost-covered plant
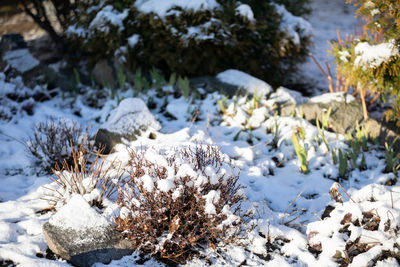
{"x": 52, "y": 141}
{"x": 392, "y": 159}
{"x": 195, "y": 37}
{"x": 300, "y": 149}
{"x": 87, "y": 175}
{"x": 178, "y": 199}
{"x": 370, "y": 61}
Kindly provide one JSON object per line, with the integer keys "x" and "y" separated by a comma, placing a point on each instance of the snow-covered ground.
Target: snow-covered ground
{"x": 287, "y": 204}
{"x": 285, "y": 229}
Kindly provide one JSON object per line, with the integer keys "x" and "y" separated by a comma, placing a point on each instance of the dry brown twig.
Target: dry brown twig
{"x": 171, "y": 224}
{"x": 79, "y": 178}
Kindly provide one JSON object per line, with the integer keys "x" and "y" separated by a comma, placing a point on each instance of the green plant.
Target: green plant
{"x": 362, "y": 136}
{"x": 172, "y": 79}
{"x": 392, "y": 159}
{"x": 140, "y": 82}
{"x": 184, "y": 87}
{"x": 157, "y": 79}
{"x": 300, "y": 149}
{"x": 342, "y": 164}
{"x": 121, "y": 77}
{"x": 168, "y": 213}
{"x": 222, "y": 104}
{"x": 374, "y": 74}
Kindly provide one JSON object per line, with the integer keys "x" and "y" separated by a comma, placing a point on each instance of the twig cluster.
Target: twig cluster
{"x": 97, "y": 181}
{"x": 171, "y": 223}
{"x": 53, "y": 140}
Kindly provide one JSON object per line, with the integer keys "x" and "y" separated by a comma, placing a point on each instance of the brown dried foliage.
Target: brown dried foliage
{"x": 70, "y": 177}
{"x": 171, "y": 227}
{"x": 51, "y": 140}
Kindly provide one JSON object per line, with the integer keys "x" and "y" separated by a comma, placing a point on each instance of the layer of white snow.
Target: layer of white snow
{"x": 374, "y": 55}
{"x": 245, "y": 81}
{"x": 108, "y": 15}
{"x": 133, "y": 40}
{"x": 329, "y": 97}
{"x": 161, "y": 8}
{"x": 131, "y": 115}
{"x": 245, "y": 11}
{"x": 294, "y": 26}
{"x": 21, "y": 59}
{"x": 78, "y": 215}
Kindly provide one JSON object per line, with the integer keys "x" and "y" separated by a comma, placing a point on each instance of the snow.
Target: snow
{"x": 21, "y": 59}
{"x": 133, "y": 40}
{"x": 108, "y": 15}
{"x": 211, "y": 198}
{"x": 131, "y": 115}
{"x": 375, "y": 55}
{"x": 295, "y": 27}
{"x": 285, "y": 204}
{"x": 78, "y": 215}
{"x": 329, "y": 97}
{"x": 246, "y": 81}
{"x": 246, "y": 11}
{"x": 162, "y": 8}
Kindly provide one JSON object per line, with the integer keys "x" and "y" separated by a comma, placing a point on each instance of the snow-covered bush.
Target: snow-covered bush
{"x": 53, "y": 140}
{"x": 370, "y": 61}
{"x": 177, "y": 199}
{"x": 195, "y": 37}
{"x": 89, "y": 176}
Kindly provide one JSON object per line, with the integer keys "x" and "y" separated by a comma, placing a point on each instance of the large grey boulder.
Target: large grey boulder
{"x": 11, "y": 41}
{"x": 128, "y": 120}
{"x": 346, "y": 110}
{"x": 384, "y": 132}
{"x": 104, "y": 73}
{"x": 232, "y": 82}
{"x": 82, "y": 236}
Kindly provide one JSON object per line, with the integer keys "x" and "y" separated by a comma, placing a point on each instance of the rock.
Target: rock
{"x": 384, "y": 131}
{"x": 232, "y": 82}
{"x": 104, "y": 74}
{"x": 212, "y": 84}
{"x": 12, "y": 41}
{"x": 246, "y": 82}
{"x": 125, "y": 122}
{"x": 284, "y": 96}
{"x": 346, "y": 110}
{"x": 21, "y": 60}
{"x": 82, "y": 236}
{"x": 285, "y": 100}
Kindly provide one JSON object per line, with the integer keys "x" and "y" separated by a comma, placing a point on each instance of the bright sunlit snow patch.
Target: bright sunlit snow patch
{"x": 246, "y": 81}
{"x": 108, "y": 15}
{"x": 374, "y": 55}
{"x": 78, "y": 215}
{"x": 161, "y": 8}
{"x": 246, "y": 11}
{"x": 295, "y": 27}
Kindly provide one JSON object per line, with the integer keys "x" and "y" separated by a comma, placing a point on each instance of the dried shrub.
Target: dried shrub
{"x": 88, "y": 175}
{"x": 179, "y": 199}
{"x": 52, "y": 142}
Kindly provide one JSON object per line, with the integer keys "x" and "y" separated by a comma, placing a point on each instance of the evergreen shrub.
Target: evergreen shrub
{"x": 259, "y": 37}
{"x": 370, "y": 61}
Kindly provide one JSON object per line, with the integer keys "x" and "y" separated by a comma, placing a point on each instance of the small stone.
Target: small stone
{"x": 80, "y": 235}
{"x": 128, "y": 120}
